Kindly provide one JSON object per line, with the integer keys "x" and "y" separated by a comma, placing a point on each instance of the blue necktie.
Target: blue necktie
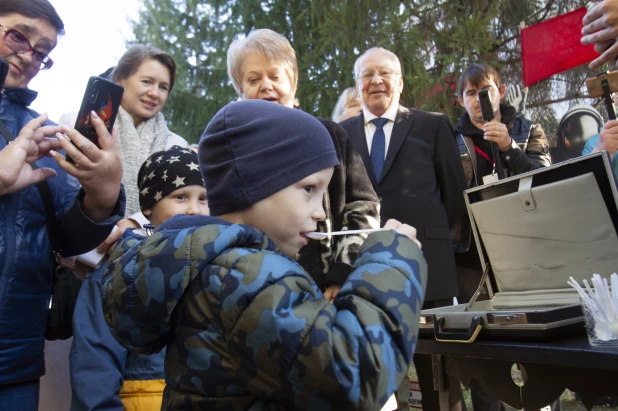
{"x": 378, "y": 147}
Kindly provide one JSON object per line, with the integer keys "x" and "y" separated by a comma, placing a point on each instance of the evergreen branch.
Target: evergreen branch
{"x": 487, "y": 8}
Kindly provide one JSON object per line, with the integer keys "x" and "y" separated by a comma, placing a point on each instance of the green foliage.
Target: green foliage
{"x": 435, "y": 40}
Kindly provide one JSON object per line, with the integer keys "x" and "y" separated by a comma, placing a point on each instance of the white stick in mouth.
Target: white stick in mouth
{"x": 321, "y": 236}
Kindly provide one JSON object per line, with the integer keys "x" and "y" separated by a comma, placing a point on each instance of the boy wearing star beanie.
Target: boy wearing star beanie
{"x": 105, "y": 375}
{"x": 170, "y": 183}
{"x": 244, "y": 325}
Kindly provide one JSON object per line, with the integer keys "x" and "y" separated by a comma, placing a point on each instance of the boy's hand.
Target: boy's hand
{"x": 404, "y": 229}
{"x": 331, "y": 292}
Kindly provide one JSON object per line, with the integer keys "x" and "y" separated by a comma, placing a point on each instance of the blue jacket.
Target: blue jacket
{"x": 246, "y": 328}
{"x": 26, "y": 255}
{"x": 100, "y": 366}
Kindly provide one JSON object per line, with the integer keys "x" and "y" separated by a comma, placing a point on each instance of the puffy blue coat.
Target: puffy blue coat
{"x": 26, "y": 255}
{"x": 246, "y": 328}
{"x": 124, "y": 380}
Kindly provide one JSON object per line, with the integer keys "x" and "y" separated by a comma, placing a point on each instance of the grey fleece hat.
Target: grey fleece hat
{"x": 252, "y": 149}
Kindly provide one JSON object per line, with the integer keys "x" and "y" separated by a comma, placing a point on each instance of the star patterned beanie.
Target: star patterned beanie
{"x": 165, "y": 172}
{"x": 252, "y": 149}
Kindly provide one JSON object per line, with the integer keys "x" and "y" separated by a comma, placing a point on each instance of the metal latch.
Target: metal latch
{"x": 426, "y": 319}
{"x": 506, "y": 319}
{"x": 525, "y": 193}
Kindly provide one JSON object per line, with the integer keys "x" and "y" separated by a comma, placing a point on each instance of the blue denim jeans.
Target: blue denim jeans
{"x": 23, "y": 396}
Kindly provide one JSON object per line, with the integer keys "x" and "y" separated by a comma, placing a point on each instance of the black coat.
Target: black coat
{"x": 350, "y": 204}
{"x": 422, "y": 185}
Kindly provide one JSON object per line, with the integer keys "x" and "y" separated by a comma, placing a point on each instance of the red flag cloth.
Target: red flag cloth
{"x": 554, "y": 46}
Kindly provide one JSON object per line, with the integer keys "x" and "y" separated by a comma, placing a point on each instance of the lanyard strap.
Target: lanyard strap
{"x": 484, "y": 155}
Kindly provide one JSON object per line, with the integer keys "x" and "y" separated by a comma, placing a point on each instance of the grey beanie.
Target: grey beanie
{"x": 252, "y": 149}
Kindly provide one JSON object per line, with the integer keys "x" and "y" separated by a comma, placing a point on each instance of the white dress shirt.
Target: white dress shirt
{"x": 370, "y": 128}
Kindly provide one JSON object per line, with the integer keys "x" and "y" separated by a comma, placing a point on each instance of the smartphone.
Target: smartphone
{"x": 486, "y": 107}
{"x": 103, "y": 97}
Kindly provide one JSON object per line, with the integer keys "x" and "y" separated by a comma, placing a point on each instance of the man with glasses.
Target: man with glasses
{"x": 412, "y": 159}
{"x": 87, "y": 197}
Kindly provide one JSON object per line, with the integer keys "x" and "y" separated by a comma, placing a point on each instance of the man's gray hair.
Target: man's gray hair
{"x": 390, "y": 54}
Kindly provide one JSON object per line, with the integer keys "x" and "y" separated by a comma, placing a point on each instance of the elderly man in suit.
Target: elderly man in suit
{"x": 413, "y": 162}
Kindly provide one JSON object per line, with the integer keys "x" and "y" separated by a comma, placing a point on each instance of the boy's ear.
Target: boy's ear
{"x": 147, "y": 213}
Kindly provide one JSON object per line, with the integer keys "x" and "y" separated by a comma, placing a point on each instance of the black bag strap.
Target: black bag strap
{"x": 6, "y": 133}
{"x": 53, "y": 228}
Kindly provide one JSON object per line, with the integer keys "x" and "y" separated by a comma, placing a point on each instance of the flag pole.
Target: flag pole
{"x": 522, "y": 25}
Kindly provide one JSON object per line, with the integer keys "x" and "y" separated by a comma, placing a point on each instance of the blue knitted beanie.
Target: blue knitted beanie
{"x": 252, "y": 149}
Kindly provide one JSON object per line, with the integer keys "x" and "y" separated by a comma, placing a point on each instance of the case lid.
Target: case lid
{"x": 539, "y": 228}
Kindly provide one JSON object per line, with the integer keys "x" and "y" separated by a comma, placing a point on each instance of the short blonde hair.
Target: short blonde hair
{"x": 390, "y": 54}
{"x": 268, "y": 43}
{"x": 348, "y": 95}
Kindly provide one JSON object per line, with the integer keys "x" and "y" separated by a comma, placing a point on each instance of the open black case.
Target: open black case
{"x": 534, "y": 231}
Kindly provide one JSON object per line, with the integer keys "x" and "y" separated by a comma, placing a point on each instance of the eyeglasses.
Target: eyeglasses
{"x": 20, "y": 44}
{"x": 367, "y": 76}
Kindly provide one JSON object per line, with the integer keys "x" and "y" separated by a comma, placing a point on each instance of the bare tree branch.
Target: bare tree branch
{"x": 559, "y": 100}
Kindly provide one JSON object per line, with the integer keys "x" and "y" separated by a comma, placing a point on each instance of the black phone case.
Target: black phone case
{"x": 103, "y": 97}
{"x": 486, "y": 108}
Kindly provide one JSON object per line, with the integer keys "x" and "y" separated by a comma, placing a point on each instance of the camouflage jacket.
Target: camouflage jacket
{"x": 247, "y": 329}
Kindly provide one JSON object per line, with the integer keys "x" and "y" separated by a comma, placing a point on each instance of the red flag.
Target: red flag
{"x": 554, "y": 46}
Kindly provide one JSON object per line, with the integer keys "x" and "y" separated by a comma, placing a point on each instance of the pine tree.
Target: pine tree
{"x": 435, "y": 40}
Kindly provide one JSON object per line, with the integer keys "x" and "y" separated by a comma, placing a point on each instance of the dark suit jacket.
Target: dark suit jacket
{"x": 422, "y": 185}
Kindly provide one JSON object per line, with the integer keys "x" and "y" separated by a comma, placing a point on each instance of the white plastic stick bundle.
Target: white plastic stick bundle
{"x": 603, "y": 303}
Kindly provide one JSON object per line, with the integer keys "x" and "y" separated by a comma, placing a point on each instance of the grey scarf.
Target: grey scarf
{"x": 136, "y": 144}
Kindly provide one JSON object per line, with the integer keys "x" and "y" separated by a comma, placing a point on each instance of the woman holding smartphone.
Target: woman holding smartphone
{"x": 147, "y": 75}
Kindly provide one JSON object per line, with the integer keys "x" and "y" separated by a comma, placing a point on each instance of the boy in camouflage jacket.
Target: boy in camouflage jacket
{"x": 246, "y": 328}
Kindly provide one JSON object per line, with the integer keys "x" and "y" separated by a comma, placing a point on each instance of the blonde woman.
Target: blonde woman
{"x": 348, "y": 105}
{"x": 263, "y": 65}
